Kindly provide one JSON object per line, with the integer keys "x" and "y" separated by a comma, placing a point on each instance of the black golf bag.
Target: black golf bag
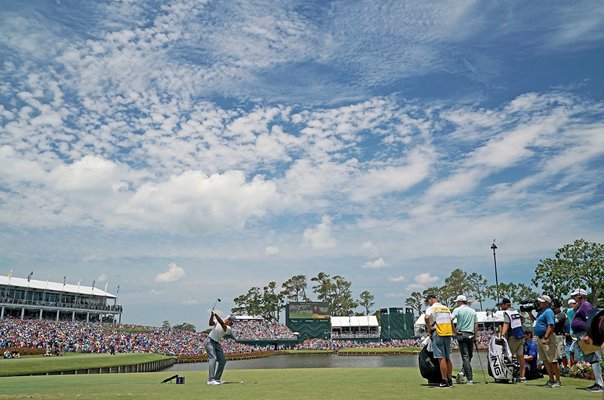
{"x": 428, "y": 366}
{"x": 502, "y": 367}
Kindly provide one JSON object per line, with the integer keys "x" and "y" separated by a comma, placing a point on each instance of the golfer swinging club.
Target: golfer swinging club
{"x": 213, "y": 347}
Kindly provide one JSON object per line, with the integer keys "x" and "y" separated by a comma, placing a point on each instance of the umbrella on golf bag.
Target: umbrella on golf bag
{"x": 428, "y": 366}
{"x": 502, "y": 367}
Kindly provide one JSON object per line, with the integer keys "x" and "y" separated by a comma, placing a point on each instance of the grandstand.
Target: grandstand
{"x": 42, "y": 300}
{"x": 355, "y": 327}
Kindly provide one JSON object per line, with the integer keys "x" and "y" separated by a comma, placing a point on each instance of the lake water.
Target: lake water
{"x": 328, "y": 361}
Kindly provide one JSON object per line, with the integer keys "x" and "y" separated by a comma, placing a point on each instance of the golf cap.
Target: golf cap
{"x": 572, "y": 301}
{"x": 232, "y": 318}
{"x": 461, "y": 297}
{"x": 544, "y": 299}
{"x": 430, "y": 296}
{"x": 505, "y": 300}
{"x": 579, "y": 292}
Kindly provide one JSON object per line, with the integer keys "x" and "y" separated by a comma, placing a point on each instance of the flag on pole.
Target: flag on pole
{"x": 118, "y": 289}
{"x": 29, "y": 276}
{"x": 10, "y": 276}
{"x": 64, "y": 279}
{"x": 93, "y": 282}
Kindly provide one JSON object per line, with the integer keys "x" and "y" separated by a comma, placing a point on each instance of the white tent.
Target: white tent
{"x": 356, "y": 321}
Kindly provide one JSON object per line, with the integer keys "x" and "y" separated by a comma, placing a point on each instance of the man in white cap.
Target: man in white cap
{"x": 466, "y": 325}
{"x": 546, "y": 345}
{"x": 579, "y": 326}
{"x": 220, "y": 328}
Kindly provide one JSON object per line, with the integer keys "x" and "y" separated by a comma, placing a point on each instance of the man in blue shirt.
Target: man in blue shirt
{"x": 546, "y": 345}
{"x": 530, "y": 352}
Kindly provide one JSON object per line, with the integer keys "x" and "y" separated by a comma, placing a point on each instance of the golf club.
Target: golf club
{"x": 214, "y": 306}
{"x": 480, "y": 361}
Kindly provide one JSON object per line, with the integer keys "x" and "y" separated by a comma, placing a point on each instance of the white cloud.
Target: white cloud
{"x": 397, "y": 279}
{"x": 271, "y": 250}
{"x": 173, "y": 274}
{"x": 375, "y": 264}
{"x": 422, "y": 281}
{"x": 102, "y": 278}
{"x": 320, "y": 236}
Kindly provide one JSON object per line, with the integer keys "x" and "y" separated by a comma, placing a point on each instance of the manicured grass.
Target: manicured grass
{"x": 401, "y": 350}
{"x": 291, "y": 384}
{"x": 308, "y": 351}
{"x": 70, "y": 361}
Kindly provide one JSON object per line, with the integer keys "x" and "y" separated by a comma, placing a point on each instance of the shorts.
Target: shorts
{"x": 515, "y": 346}
{"x": 441, "y": 346}
{"x": 548, "y": 352}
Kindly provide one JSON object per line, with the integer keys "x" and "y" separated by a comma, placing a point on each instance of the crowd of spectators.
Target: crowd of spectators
{"x": 261, "y": 330}
{"x": 66, "y": 336}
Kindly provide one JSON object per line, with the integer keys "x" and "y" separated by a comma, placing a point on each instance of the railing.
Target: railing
{"x": 55, "y": 304}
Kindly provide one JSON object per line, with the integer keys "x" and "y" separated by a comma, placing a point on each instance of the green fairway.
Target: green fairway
{"x": 71, "y": 361}
{"x": 291, "y": 384}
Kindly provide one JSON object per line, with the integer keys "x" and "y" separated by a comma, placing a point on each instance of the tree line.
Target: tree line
{"x": 270, "y": 300}
{"x": 580, "y": 264}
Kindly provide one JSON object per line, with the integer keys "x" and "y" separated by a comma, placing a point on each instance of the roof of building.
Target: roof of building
{"x": 54, "y": 286}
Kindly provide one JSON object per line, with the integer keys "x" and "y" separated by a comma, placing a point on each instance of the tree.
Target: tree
{"x": 165, "y": 324}
{"x": 516, "y": 292}
{"x": 366, "y": 301}
{"x": 294, "y": 289}
{"x": 272, "y": 302}
{"x": 580, "y": 264}
{"x": 185, "y": 326}
{"x": 455, "y": 284}
{"x": 478, "y": 286}
{"x": 249, "y": 303}
{"x": 336, "y": 292}
{"x": 415, "y": 301}
{"x": 437, "y": 291}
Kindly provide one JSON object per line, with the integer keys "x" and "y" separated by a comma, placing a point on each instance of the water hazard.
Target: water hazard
{"x": 327, "y": 361}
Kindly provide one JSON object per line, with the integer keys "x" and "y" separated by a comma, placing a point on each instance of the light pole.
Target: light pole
{"x": 494, "y": 247}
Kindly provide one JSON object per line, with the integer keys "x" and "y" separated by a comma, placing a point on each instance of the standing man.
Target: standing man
{"x": 568, "y": 347}
{"x": 544, "y": 330}
{"x": 213, "y": 348}
{"x": 513, "y": 332}
{"x": 439, "y": 323}
{"x": 466, "y": 325}
{"x": 579, "y": 326}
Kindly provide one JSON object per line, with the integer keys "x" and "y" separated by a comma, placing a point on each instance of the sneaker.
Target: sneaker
{"x": 470, "y": 382}
{"x": 214, "y": 382}
{"x": 444, "y": 385}
{"x": 522, "y": 380}
{"x": 595, "y": 389}
{"x": 459, "y": 378}
{"x": 450, "y": 382}
{"x": 548, "y": 384}
{"x": 556, "y": 385}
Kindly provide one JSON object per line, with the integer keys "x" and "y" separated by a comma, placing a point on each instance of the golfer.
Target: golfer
{"x": 213, "y": 348}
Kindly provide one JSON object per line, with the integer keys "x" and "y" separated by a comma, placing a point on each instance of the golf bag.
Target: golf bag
{"x": 502, "y": 367}
{"x": 428, "y": 366}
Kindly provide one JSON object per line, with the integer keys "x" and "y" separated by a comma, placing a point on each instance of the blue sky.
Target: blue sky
{"x": 190, "y": 150}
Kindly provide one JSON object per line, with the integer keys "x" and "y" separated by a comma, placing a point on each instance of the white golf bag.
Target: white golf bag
{"x": 502, "y": 367}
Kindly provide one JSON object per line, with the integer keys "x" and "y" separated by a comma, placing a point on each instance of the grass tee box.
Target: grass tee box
{"x": 290, "y": 384}
{"x": 70, "y": 362}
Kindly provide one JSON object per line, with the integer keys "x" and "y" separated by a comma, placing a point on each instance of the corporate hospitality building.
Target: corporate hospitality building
{"x": 26, "y": 298}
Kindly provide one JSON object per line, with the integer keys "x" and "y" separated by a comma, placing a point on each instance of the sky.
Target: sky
{"x": 190, "y": 150}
